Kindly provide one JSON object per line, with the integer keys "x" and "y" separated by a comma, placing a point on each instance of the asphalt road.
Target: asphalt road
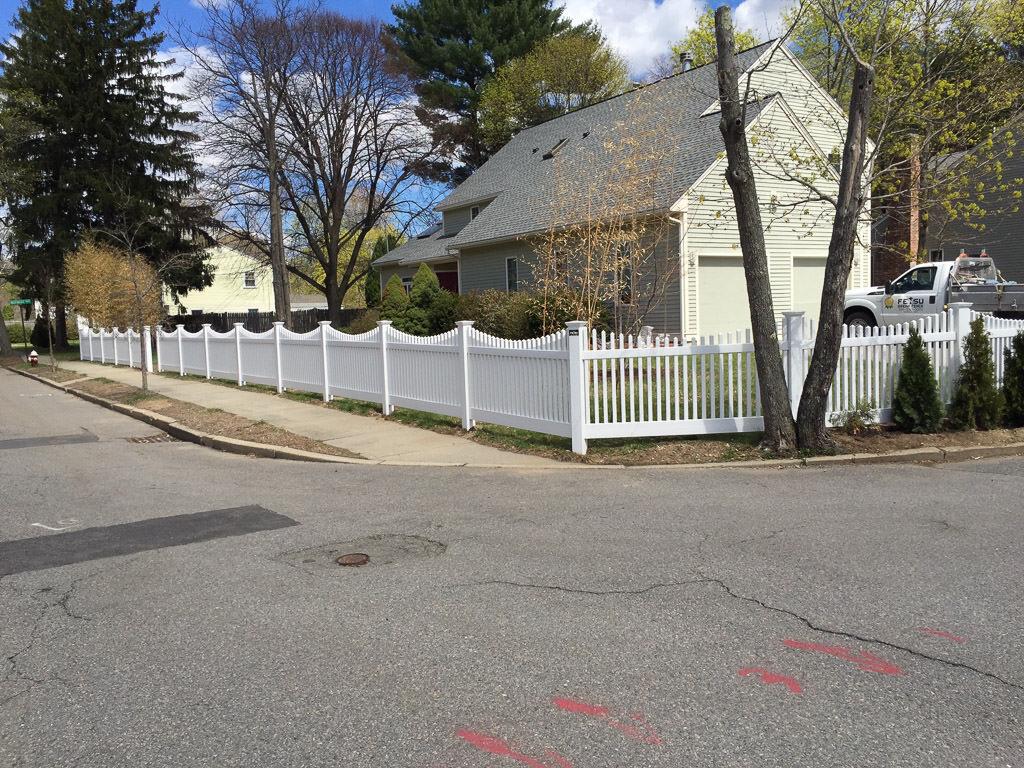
{"x": 846, "y": 616}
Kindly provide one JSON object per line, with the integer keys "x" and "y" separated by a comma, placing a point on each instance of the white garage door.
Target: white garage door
{"x": 721, "y": 295}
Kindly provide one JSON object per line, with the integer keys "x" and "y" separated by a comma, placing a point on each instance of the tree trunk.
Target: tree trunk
{"x": 6, "y": 348}
{"x": 334, "y": 297}
{"x": 282, "y": 286}
{"x": 60, "y": 326}
{"x": 811, "y": 433}
{"x": 779, "y": 429}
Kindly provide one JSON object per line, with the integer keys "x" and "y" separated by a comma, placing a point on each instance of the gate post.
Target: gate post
{"x": 463, "y": 340}
{"x": 578, "y": 384}
{"x": 385, "y": 397}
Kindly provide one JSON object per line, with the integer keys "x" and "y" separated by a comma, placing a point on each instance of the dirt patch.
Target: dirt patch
{"x": 211, "y": 421}
{"x": 43, "y": 370}
{"x": 887, "y": 439}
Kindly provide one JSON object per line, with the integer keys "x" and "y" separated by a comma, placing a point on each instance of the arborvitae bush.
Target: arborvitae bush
{"x": 394, "y": 302}
{"x": 1013, "y": 382}
{"x": 371, "y": 290}
{"x": 977, "y": 404}
{"x": 917, "y": 406}
{"x": 425, "y": 291}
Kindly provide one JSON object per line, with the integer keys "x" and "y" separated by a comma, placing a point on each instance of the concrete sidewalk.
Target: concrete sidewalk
{"x": 375, "y": 439}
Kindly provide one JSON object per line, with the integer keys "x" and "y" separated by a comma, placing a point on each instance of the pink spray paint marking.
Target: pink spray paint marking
{"x": 499, "y": 747}
{"x": 602, "y": 713}
{"x": 941, "y": 634}
{"x": 768, "y": 678}
{"x": 865, "y": 661}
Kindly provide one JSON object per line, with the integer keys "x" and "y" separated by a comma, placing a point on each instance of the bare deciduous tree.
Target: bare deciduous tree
{"x": 779, "y": 428}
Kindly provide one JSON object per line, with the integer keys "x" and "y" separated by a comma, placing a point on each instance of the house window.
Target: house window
{"x": 250, "y": 279}
{"x": 511, "y": 275}
{"x": 935, "y": 255}
{"x": 474, "y": 212}
{"x": 407, "y": 284}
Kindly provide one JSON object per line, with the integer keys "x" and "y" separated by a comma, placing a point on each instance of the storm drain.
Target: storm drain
{"x": 163, "y": 437}
{"x": 370, "y": 551}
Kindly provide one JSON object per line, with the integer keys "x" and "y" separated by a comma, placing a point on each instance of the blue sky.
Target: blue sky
{"x": 638, "y": 29}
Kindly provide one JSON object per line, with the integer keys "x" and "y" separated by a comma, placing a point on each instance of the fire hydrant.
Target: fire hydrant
{"x": 33, "y": 358}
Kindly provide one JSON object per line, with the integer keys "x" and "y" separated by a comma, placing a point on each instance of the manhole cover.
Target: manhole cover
{"x": 353, "y": 559}
{"x": 368, "y": 552}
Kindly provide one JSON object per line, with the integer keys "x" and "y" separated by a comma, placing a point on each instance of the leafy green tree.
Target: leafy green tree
{"x": 977, "y": 403}
{"x": 423, "y": 294}
{"x": 944, "y": 84}
{"x": 699, "y": 41}
{"x": 561, "y": 74}
{"x": 1013, "y": 382}
{"x": 455, "y": 47}
{"x": 394, "y": 303}
{"x": 112, "y": 155}
{"x": 917, "y": 406}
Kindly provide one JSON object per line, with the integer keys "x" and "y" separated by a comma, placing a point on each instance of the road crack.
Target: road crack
{"x": 860, "y": 638}
{"x": 570, "y": 590}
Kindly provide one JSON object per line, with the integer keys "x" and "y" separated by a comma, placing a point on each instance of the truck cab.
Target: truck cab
{"x": 919, "y": 291}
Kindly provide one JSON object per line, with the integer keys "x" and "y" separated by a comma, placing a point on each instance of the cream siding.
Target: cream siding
{"x": 228, "y": 292}
{"x": 797, "y": 233}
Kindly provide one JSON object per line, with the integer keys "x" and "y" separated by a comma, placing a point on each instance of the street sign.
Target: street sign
{"x": 16, "y": 302}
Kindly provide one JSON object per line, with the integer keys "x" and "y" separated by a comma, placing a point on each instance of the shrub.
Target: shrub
{"x": 371, "y": 289}
{"x": 7, "y": 312}
{"x": 16, "y": 334}
{"x": 364, "y": 323}
{"x": 858, "y": 419}
{"x": 1013, "y": 382}
{"x": 506, "y": 315}
{"x": 917, "y": 406}
{"x": 39, "y": 338}
{"x": 423, "y": 294}
{"x": 443, "y": 313}
{"x": 394, "y": 302}
{"x": 977, "y": 404}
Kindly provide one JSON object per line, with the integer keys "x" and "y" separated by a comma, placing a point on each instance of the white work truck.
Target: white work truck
{"x": 927, "y": 289}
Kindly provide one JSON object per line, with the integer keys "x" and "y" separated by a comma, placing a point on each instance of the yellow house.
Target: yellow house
{"x": 241, "y": 283}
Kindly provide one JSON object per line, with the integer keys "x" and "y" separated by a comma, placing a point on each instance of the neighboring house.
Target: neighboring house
{"x": 493, "y": 223}
{"x": 241, "y": 283}
{"x": 997, "y": 227}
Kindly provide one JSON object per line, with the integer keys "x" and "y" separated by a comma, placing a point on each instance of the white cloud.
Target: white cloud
{"x": 643, "y": 29}
{"x": 762, "y": 16}
{"x": 639, "y": 29}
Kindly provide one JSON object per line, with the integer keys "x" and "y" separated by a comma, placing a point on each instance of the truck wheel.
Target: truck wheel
{"x": 859, "y": 319}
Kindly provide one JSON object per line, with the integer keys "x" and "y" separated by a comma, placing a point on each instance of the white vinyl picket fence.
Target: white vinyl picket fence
{"x": 571, "y": 383}
{"x": 116, "y": 347}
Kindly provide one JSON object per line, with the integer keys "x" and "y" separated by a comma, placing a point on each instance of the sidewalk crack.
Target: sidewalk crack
{"x": 570, "y": 590}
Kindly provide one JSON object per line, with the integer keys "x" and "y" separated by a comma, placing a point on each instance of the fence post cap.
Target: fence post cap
{"x": 180, "y": 325}
{"x": 464, "y": 323}
{"x": 322, "y": 323}
{"x": 959, "y": 304}
{"x": 383, "y": 323}
{"x": 207, "y": 325}
{"x": 793, "y": 313}
{"x": 278, "y": 323}
{"x": 575, "y": 324}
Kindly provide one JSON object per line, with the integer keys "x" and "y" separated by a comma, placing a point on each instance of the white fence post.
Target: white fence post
{"x": 147, "y": 348}
{"x": 113, "y": 340}
{"x": 81, "y": 346}
{"x": 238, "y": 352}
{"x": 181, "y": 357}
{"x": 88, "y": 336}
{"x": 794, "y": 323}
{"x": 467, "y": 410}
{"x": 278, "y": 324}
{"x": 960, "y": 317}
{"x": 324, "y": 325}
{"x": 159, "y": 353}
{"x": 385, "y": 397}
{"x": 578, "y": 384}
{"x": 128, "y": 336}
{"x": 206, "y": 347}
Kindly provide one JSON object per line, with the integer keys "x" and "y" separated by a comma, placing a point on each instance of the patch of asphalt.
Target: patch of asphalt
{"x": 923, "y": 456}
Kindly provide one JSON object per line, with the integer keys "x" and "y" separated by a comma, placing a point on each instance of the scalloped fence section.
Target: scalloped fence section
{"x": 573, "y": 383}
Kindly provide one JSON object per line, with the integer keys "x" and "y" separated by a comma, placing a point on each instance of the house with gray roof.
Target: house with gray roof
{"x": 659, "y": 147}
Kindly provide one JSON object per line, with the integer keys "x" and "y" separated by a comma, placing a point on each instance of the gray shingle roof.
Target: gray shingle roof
{"x": 424, "y": 247}
{"x": 530, "y": 190}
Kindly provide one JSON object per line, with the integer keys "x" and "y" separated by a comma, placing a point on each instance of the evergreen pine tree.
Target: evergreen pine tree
{"x": 423, "y": 294}
{"x": 371, "y": 289}
{"x": 1013, "y": 382}
{"x": 113, "y": 153}
{"x": 455, "y": 46}
{"x": 394, "y": 303}
{"x": 977, "y": 403}
{"x": 916, "y": 405}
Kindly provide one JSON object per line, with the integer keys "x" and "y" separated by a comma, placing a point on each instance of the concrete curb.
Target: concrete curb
{"x": 924, "y": 455}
